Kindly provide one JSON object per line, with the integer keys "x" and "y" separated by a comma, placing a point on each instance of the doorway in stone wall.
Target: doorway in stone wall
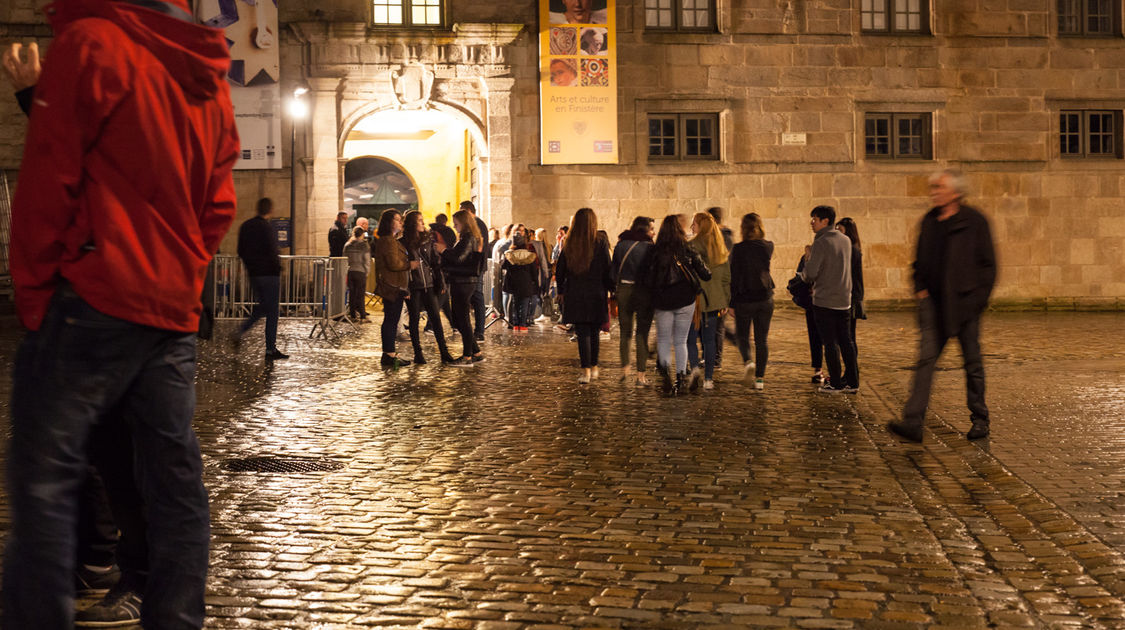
{"x": 426, "y": 159}
{"x": 374, "y": 184}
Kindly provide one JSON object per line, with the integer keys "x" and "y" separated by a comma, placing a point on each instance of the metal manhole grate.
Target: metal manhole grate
{"x": 282, "y": 464}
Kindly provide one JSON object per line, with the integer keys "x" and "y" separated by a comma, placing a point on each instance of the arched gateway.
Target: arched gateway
{"x": 438, "y": 110}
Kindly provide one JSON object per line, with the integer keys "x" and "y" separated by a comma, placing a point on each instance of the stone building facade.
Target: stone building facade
{"x": 803, "y": 92}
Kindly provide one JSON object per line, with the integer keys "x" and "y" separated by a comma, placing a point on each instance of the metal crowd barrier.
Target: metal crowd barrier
{"x": 312, "y": 288}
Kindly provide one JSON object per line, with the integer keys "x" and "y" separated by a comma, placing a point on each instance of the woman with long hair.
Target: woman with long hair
{"x": 673, "y": 274}
{"x": 426, "y": 284}
{"x": 708, "y": 243}
{"x": 634, "y": 304}
{"x": 851, "y": 230}
{"x": 751, "y": 289}
{"x": 462, "y": 268}
{"x": 392, "y": 274}
{"x": 584, "y": 276}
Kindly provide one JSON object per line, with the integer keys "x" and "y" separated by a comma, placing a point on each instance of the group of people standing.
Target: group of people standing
{"x": 431, "y": 270}
{"x": 687, "y": 285}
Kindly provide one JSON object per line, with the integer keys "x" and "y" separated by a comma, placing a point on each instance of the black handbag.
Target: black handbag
{"x": 801, "y": 292}
{"x": 689, "y": 275}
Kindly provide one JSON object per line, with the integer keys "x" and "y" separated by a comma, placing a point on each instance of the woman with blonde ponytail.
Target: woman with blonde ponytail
{"x": 713, "y": 300}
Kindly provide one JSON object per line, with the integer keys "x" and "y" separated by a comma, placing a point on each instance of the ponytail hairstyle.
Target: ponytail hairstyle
{"x": 711, "y": 238}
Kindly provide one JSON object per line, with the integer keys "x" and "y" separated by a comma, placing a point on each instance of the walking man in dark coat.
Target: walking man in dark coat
{"x": 954, "y": 272}
{"x": 257, "y": 247}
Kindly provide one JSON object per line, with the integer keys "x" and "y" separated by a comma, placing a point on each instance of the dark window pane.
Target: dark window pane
{"x": 705, "y": 146}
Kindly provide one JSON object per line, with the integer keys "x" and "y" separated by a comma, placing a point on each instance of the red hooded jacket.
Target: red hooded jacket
{"x": 125, "y": 189}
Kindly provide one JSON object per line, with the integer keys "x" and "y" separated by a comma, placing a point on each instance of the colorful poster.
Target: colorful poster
{"x": 251, "y": 30}
{"x": 578, "y": 81}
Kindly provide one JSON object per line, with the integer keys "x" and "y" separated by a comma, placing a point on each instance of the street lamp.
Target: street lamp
{"x": 298, "y": 111}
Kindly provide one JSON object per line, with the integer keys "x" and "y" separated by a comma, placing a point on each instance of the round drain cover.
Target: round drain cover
{"x": 283, "y": 464}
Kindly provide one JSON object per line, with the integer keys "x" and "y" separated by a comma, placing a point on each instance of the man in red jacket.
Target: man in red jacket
{"x": 125, "y": 191}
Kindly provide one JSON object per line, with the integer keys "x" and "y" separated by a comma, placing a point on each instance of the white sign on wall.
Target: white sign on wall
{"x": 251, "y": 31}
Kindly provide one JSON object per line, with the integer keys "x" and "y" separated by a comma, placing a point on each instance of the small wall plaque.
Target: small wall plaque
{"x": 791, "y": 139}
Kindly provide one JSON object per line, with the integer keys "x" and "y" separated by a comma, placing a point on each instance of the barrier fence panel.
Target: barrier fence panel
{"x": 312, "y": 287}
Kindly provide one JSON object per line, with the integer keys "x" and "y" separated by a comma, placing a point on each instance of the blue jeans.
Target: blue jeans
{"x": 708, "y": 324}
{"x": 268, "y": 290}
{"x": 672, "y": 330}
{"x": 79, "y": 369}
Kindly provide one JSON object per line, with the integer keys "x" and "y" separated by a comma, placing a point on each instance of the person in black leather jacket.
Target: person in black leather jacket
{"x": 426, "y": 284}
{"x": 462, "y": 271}
{"x": 672, "y": 272}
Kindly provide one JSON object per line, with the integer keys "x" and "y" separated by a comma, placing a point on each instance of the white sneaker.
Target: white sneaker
{"x": 747, "y": 367}
{"x": 584, "y": 379}
{"x": 759, "y": 384}
{"x": 708, "y": 384}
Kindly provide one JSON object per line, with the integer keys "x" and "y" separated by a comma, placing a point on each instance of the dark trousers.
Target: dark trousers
{"x": 425, "y": 299}
{"x": 757, "y": 315}
{"x": 634, "y": 304}
{"x": 268, "y": 291}
{"x": 522, "y": 307}
{"x": 932, "y": 343}
{"x": 357, "y": 294}
{"x": 82, "y": 368}
{"x": 835, "y": 332}
{"x": 477, "y": 302}
{"x": 97, "y": 531}
{"x": 111, "y": 453}
{"x": 588, "y": 343}
{"x": 460, "y": 298}
{"x": 392, "y": 313}
{"x": 706, "y": 333}
{"x": 816, "y": 346}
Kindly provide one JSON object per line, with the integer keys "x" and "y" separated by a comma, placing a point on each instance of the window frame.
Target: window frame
{"x": 677, "y": 18}
{"x": 408, "y": 15}
{"x": 680, "y": 136}
{"x": 893, "y": 118}
{"x": 889, "y": 13}
{"x": 1084, "y": 134}
{"x": 1083, "y": 19}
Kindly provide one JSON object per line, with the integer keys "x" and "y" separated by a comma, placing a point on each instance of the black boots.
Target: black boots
{"x": 979, "y": 430}
{"x": 665, "y": 379}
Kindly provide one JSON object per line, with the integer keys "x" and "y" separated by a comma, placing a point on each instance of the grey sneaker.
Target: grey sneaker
{"x": 120, "y": 607}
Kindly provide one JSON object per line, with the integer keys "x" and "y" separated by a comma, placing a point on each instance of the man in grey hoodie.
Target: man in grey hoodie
{"x": 828, "y": 268}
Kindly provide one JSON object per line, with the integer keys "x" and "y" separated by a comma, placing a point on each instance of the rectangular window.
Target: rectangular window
{"x": 898, "y": 136}
{"x": 683, "y": 136}
{"x": 407, "y": 12}
{"x": 680, "y": 15}
{"x": 1089, "y": 18}
{"x": 1090, "y": 134}
{"x": 895, "y": 16}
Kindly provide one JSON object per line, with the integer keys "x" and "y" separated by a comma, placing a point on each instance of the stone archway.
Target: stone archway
{"x": 442, "y": 152}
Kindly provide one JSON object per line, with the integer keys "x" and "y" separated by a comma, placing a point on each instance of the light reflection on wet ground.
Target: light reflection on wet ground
{"x": 508, "y": 494}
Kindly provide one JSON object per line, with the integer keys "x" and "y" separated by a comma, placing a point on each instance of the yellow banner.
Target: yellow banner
{"x": 578, "y": 81}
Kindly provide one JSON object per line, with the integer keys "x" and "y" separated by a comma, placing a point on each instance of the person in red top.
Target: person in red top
{"x": 125, "y": 191}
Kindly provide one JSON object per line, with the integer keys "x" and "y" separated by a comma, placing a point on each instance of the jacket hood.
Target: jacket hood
{"x": 195, "y": 56}
{"x": 520, "y": 256}
{"x": 630, "y": 235}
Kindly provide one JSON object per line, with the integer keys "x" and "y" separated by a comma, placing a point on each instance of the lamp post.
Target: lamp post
{"x": 298, "y": 111}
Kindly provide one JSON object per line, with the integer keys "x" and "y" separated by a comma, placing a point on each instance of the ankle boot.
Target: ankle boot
{"x": 681, "y": 386}
{"x": 665, "y": 378}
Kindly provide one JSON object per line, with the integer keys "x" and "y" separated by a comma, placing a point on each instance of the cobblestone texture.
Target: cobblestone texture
{"x": 506, "y": 496}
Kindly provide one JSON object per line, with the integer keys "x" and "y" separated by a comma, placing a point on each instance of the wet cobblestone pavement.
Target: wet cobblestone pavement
{"x": 508, "y": 496}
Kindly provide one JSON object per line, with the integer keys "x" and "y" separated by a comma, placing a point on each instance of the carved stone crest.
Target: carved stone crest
{"x": 413, "y": 83}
